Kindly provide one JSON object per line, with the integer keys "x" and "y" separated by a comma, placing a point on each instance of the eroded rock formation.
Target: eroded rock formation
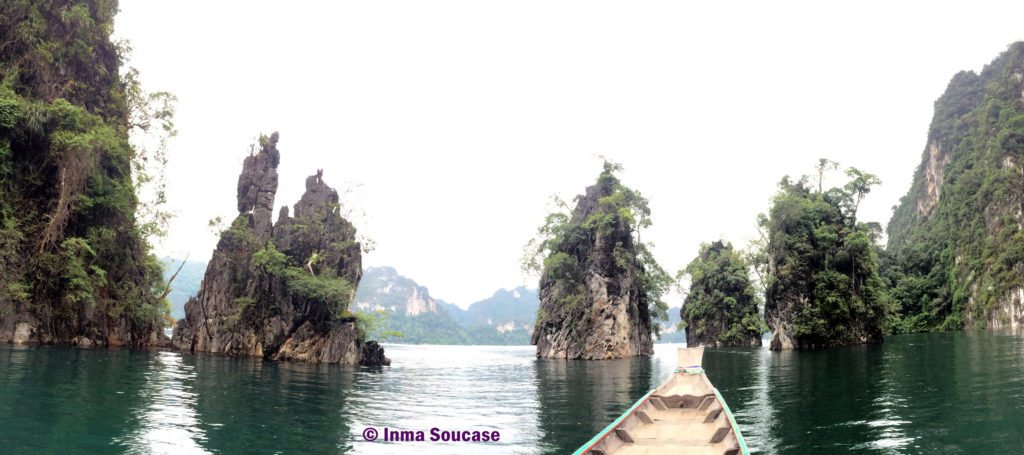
{"x": 591, "y": 304}
{"x": 281, "y": 291}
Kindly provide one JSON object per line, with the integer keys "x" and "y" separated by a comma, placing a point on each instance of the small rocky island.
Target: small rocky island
{"x": 823, "y": 287}
{"x": 281, "y": 291}
{"x": 599, "y": 284}
{"x": 721, "y": 307}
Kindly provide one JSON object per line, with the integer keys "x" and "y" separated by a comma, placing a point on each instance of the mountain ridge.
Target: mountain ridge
{"x": 450, "y": 324}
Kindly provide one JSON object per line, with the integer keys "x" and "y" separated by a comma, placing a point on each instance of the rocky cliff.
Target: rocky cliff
{"x": 75, "y": 266}
{"x": 721, "y": 307}
{"x": 956, "y": 246}
{"x": 280, "y": 291}
{"x": 593, "y": 302}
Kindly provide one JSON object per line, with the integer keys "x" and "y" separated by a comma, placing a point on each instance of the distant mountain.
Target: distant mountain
{"x": 670, "y": 332}
{"x": 382, "y": 288}
{"x": 511, "y": 313}
{"x": 410, "y": 308}
{"x": 518, "y": 307}
{"x": 185, "y": 285}
{"x": 505, "y": 318}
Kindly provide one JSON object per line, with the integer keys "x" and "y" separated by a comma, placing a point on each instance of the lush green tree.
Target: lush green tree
{"x": 374, "y": 326}
{"x": 822, "y": 284}
{"x": 721, "y": 307}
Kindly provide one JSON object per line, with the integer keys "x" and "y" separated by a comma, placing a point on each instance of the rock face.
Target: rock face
{"x": 92, "y": 329}
{"x": 591, "y": 306}
{"x": 280, "y": 291}
{"x": 956, "y": 239}
{"x": 257, "y": 186}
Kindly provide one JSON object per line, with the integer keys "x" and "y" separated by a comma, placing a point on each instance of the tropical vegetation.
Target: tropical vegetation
{"x": 722, "y": 305}
{"x": 73, "y": 230}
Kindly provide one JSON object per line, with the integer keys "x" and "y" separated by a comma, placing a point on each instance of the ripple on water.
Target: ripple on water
{"x": 166, "y": 421}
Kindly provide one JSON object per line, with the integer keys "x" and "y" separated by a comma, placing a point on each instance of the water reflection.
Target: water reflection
{"x": 925, "y": 393}
{"x": 928, "y": 393}
{"x": 66, "y": 400}
{"x": 743, "y": 375}
{"x": 887, "y": 427}
{"x": 167, "y": 422}
{"x": 250, "y": 405}
{"x": 827, "y": 394}
{"x": 579, "y": 398}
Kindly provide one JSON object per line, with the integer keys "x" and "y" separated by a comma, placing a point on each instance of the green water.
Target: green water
{"x": 932, "y": 393}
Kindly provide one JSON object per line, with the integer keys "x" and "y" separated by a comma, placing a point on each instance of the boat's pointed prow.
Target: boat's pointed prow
{"x": 691, "y": 357}
{"x": 685, "y": 415}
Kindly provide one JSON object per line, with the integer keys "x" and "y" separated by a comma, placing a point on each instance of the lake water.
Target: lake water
{"x": 929, "y": 393}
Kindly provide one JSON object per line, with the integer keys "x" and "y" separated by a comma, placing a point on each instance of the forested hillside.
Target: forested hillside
{"x": 956, "y": 248}
{"x": 75, "y": 265}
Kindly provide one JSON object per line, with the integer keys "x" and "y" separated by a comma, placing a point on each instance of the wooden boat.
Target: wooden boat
{"x": 685, "y": 415}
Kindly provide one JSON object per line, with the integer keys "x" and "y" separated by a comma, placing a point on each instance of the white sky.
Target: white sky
{"x": 458, "y": 119}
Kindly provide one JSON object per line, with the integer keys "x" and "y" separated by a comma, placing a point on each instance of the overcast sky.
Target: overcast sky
{"x": 455, "y": 121}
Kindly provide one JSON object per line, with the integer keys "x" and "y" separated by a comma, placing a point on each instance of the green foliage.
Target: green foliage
{"x": 239, "y": 235}
{"x": 70, "y": 226}
{"x": 427, "y": 328}
{"x": 11, "y": 113}
{"x": 563, "y": 267}
{"x": 63, "y": 50}
{"x": 373, "y": 326}
{"x": 563, "y": 243}
{"x": 269, "y": 260}
{"x": 19, "y": 292}
{"x": 333, "y": 292}
{"x": 216, "y": 226}
{"x": 654, "y": 283}
{"x": 243, "y": 303}
{"x": 81, "y": 276}
{"x": 822, "y": 264}
{"x": 955, "y": 244}
{"x": 721, "y": 307}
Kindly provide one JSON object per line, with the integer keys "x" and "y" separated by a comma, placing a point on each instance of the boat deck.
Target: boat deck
{"x": 683, "y": 416}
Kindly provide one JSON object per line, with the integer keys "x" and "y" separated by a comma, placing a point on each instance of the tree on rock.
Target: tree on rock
{"x": 822, "y": 284}
{"x": 721, "y": 308}
{"x": 600, "y": 287}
